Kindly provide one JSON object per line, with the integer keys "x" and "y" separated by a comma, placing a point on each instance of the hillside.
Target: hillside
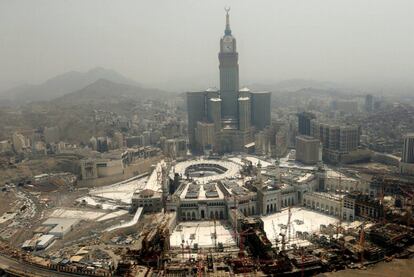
{"x": 61, "y": 85}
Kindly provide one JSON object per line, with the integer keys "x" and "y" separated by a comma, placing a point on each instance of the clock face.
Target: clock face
{"x": 228, "y": 47}
{"x": 228, "y": 44}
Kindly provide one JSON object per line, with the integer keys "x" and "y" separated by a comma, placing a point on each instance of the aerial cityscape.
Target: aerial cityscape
{"x": 102, "y": 175}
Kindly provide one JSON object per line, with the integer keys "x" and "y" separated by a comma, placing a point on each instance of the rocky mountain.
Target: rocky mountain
{"x": 104, "y": 91}
{"x": 61, "y": 85}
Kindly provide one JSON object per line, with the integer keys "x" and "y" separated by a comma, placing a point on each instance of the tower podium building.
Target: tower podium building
{"x": 407, "y": 157}
{"x": 236, "y": 114}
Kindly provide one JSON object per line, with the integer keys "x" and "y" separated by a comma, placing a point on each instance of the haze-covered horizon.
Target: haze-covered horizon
{"x": 174, "y": 44}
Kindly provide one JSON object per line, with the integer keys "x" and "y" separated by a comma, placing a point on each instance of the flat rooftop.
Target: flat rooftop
{"x": 121, "y": 191}
{"x": 61, "y": 225}
{"x": 202, "y": 233}
{"x": 201, "y": 193}
{"x": 302, "y": 220}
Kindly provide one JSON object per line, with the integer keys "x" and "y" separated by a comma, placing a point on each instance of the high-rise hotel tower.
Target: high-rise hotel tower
{"x": 226, "y": 120}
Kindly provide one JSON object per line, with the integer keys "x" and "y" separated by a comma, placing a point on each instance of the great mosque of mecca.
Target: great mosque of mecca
{"x": 210, "y": 189}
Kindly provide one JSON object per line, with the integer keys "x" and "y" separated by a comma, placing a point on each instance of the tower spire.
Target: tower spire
{"x": 227, "y": 31}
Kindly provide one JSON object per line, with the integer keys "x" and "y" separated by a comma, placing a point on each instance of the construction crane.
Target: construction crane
{"x": 192, "y": 238}
{"x": 193, "y": 235}
{"x": 362, "y": 242}
{"x": 214, "y": 235}
{"x": 236, "y": 208}
{"x": 289, "y": 224}
{"x": 276, "y": 236}
{"x": 339, "y": 223}
{"x": 287, "y": 230}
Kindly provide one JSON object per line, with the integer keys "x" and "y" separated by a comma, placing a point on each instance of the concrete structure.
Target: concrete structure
{"x": 60, "y": 226}
{"x": 369, "y": 103}
{"x": 149, "y": 200}
{"x": 118, "y": 140}
{"x": 44, "y": 241}
{"x": 337, "y": 141}
{"x": 407, "y": 156}
{"x": 214, "y": 113}
{"x": 103, "y": 144}
{"x": 230, "y": 112}
{"x": 205, "y": 135}
{"x": 114, "y": 162}
{"x": 132, "y": 141}
{"x": 307, "y": 149}
{"x": 325, "y": 202}
{"x": 212, "y": 188}
{"x": 272, "y": 141}
{"x": 304, "y": 123}
{"x": 261, "y": 102}
{"x": 244, "y": 113}
{"x": 364, "y": 206}
{"x": 269, "y": 200}
{"x": 5, "y": 146}
{"x": 97, "y": 168}
{"x": 174, "y": 148}
{"x": 20, "y": 143}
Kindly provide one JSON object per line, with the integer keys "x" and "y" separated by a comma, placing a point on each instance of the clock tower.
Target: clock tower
{"x": 229, "y": 73}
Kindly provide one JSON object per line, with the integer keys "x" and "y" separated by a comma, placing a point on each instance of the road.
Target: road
{"x": 13, "y": 266}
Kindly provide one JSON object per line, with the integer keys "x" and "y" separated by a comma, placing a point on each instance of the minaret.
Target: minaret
{"x": 229, "y": 72}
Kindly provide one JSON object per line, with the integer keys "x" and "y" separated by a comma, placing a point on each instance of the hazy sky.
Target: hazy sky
{"x": 176, "y": 41}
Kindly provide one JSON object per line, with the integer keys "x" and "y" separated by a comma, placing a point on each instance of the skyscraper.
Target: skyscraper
{"x": 369, "y": 102}
{"x": 304, "y": 123}
{"x": 408, "y": 149}
{"x": 407, "y": 156}
{"x": 231, "y": 111}
{"x": 229, "y": 72}
{"x": 307, "y": 149}
{"x": 261, "y": 109}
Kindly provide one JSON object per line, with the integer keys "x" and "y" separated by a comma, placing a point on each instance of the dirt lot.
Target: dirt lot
{"x": 27, "y": 169}
{"x": 6, "y": 201}
{"x": 396, "y": 268}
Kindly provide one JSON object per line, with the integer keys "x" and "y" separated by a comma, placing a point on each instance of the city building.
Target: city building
{"x": 115, "y": 162}
{"x": 174, "y": 148}
{"x": 118, "y": 140}
{"x": 345, "y": 106}
{"x": 261, "y": 109}
{"x": 365, "y": 206}
{"x": 369, "y": 103}
{"x": 205, "y": 136}
{"x": 149, "y": 200}
{"x": 304, "y": 123}
{"x": 272, "y": 141}
{"x": 103, "y": 144}
{"x": 20, "y": 143}
{"x": 407, "y": 156}
{"x": 307, "y": 149}
{"x": 212, "y": 188}
{"x": 224, "y": 120}
{"x": 5, "y": 146}
{"x": 132, "y": 141}
{"x": 97, "y": 168}
{"x": 324, "y": 202}
{"x": 340, "y": 142}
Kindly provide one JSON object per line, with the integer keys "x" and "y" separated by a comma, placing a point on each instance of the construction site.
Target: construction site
{"x": 233, "y": 216}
